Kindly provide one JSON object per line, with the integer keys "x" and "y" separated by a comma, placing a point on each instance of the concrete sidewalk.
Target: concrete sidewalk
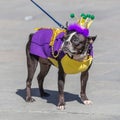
{"x": 17, "y": 20}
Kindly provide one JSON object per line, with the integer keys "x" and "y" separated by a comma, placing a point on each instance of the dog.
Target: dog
{"x": 67, "y": 49}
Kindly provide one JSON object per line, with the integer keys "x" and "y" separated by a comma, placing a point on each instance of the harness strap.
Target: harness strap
{"x": 56, "y": 31}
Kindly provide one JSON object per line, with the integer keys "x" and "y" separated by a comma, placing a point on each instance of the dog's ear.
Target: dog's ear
{"x": 92, "y": 38}
{"x": 66, "y": 24}
{"x": 68, "y": 31}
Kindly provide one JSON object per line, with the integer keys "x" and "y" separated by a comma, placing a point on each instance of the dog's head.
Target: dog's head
{"x": 76, "y": 45}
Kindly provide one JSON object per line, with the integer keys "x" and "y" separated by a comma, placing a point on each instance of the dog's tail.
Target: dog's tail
{"x": 28, "y": 45}
{"x": 30, "y": 56}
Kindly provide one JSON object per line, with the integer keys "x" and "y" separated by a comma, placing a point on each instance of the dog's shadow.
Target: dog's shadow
{"x": 53, "y": 98}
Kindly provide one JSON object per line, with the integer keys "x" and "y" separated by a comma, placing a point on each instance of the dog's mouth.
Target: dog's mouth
{"x": 74, "y": 54}
{"x": 67, "y": 50}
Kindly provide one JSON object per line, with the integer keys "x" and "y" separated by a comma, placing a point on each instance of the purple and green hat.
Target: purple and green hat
{"x": 82, "y": 25}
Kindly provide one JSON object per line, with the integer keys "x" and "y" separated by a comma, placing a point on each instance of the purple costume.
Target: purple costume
{"x": 40, "y": 44}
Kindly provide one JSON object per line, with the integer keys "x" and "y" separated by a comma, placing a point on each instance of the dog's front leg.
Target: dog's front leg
{"x": 84, "y": 79}
{"x": 61, "y": 82}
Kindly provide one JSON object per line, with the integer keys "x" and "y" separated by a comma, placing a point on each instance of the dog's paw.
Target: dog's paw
{"x": 30, "y": 99}
{"x": 87, "y": 102}
{"x": 61, "y": 107}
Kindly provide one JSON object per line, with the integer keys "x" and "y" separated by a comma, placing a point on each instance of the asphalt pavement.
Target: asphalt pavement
{"x": 18, "y": 18}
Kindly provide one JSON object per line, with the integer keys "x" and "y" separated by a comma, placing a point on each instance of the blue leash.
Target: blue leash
{"x": 60, "y": 25}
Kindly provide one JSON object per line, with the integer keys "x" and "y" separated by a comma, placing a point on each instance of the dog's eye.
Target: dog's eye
{"x": 75, "y": 40}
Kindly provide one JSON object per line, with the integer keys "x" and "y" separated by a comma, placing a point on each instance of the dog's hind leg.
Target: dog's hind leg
{"x": 32, "y": 62}
{"x": 44, "y": 68}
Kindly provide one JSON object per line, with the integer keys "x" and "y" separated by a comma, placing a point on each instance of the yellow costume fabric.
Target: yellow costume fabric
{"x": 71, "y": 66}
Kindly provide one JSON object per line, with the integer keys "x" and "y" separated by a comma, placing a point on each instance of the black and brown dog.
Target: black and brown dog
{"x": 74, "y": 49}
